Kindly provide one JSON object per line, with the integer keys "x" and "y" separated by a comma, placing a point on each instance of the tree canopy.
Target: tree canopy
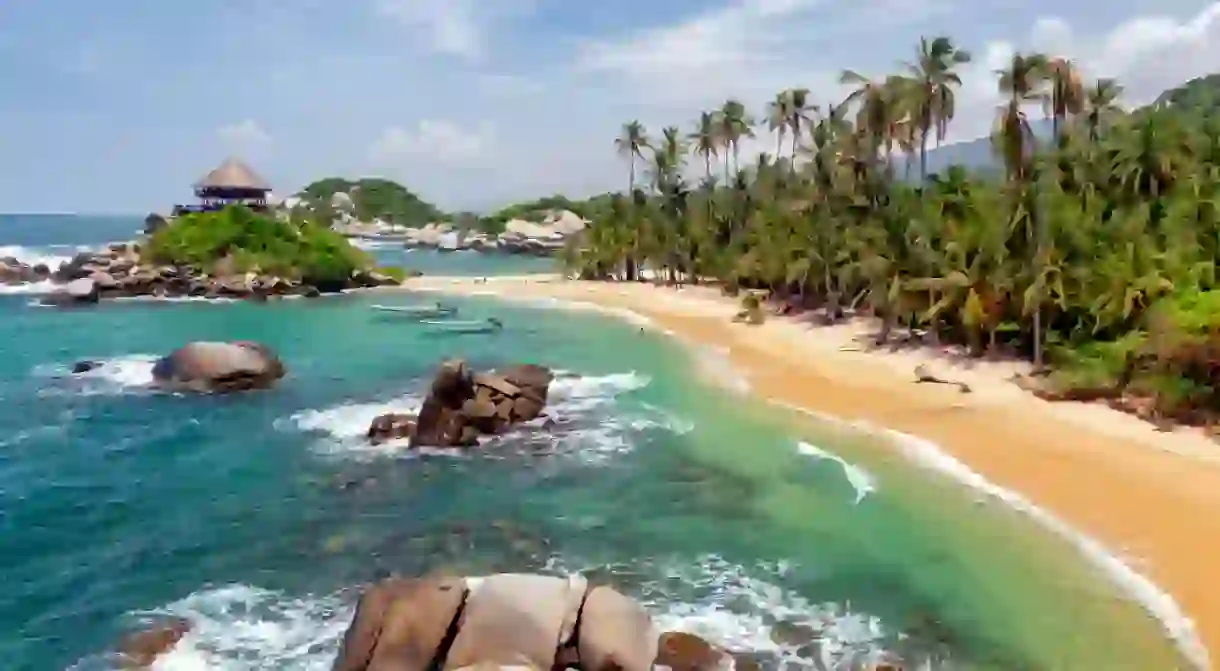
{"x": 373, "y": 198}
{"x": 1092, "y": 249}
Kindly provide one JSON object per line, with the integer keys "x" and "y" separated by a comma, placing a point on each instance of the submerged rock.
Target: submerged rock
{"x": 142, "y": 648}
{"x": 83, "y": 291}
{"x": 391, "y": 426}
{"x": 218, "y": 367}
{"x": 84, "y": 366}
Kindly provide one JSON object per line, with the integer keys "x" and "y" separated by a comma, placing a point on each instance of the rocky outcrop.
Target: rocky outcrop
{"x": 154, "y": 222}
{"x": 218, "y": 367}
{"x": 461, "y": 406}
{"x": 121, "y": 271}
{"x": 141, "y": 649}
{"x": 83, "y": 291}
{"x": 519, "y": 237}
{"x": 507, "y": 619}
{"x": 13, "y": 271}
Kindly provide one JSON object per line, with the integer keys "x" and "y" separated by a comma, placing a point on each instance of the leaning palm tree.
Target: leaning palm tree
{"x": 931, "y": 96}
{"x": 876, "y": 111}
{"x": 800, "y": 115}
{"x": 630, "y": 144}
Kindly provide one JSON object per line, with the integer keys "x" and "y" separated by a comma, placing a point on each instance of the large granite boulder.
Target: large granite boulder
{"x": 83, "y": 291}
{"x": 218, "y": 367}
{"x": 154, "y": 222}
{"x": 461, "y": 405}
{"x": 503, "y": 620}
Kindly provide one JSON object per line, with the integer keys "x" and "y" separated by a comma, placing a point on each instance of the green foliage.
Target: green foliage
{"x": 237, "y": 240}
{"x": 1098, "y": 246}
{"x": 373, "y": 198}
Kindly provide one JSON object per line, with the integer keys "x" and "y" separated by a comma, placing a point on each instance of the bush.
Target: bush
{"x": 237, "y": 240}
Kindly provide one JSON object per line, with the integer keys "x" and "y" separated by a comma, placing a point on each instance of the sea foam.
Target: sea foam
{"x": 861, "y": 480}
{"x": 1158, "y": 603}
{"x": 113, "y": 375}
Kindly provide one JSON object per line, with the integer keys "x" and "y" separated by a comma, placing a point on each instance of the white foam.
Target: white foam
{"x": 244, "y": 628}
{"x": 714, "y": 361}
{"x": 51, "y": 256}
{"x": 1157, "y": 602}
{"x": 738, "y": 608}
{"x": 37, "y": 288}
{"x": 113, "y": 375}
{"x": 345, "y": 425}
{"x": 861, "y": 480}
{"x": 574, "y": 393}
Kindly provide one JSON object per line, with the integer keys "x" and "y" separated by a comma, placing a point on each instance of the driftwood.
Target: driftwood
{"x": 922, "y": 375}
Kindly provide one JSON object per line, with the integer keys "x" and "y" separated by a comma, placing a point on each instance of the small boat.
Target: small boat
{"x": 438, "y": 310}
{"x": 489, "y": 325}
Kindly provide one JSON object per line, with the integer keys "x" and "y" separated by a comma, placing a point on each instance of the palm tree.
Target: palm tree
{"x": 1100, "y": 105}
{"x": 735, "y": 123}
{"x": 1066, "y": 96}
{"x": 630, "y": 144}
{"x": 1023, "y": 81}
{"x": 704, "y": 141}
{"x": 877, "y": 110}
{"x": 778, "y": 113}
{"x": 933, "y": 102}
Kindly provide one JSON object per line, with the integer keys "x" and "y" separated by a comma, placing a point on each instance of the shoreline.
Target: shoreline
{"x": 1134, "y": 501}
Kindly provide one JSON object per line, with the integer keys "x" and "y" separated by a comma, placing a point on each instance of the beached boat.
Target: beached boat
{"x": 489, "y": 325}
{"x": 438, "y": 310}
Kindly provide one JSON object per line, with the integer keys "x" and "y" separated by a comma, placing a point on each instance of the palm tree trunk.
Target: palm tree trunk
{"x": 923, "y": 156}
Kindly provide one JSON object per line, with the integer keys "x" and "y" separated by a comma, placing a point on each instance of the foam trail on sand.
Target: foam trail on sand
{"x": 1153, "y": 599}
{"x": 861, "y": 480}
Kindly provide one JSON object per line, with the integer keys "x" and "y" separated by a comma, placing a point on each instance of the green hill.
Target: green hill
{"x": 374, "y": 198}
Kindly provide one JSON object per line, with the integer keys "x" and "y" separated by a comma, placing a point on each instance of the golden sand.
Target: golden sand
{"x": 1152, "y": 498}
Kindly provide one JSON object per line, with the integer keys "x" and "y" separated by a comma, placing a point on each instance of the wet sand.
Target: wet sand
{"x": 1151, "y": 498}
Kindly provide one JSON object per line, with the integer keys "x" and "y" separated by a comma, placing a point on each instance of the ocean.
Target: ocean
{"x": 260, "y": 516}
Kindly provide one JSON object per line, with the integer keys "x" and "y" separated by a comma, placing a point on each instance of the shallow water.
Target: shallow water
{"x": 258, "y": 516}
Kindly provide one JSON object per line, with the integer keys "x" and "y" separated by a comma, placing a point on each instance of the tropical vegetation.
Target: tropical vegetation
{"x": 372, "y": 198}
{"x": 246, "y": 241}
{"x": 1093, "y": 252}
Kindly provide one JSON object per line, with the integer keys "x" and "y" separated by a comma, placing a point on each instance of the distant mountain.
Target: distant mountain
{"x": 1199, "y": 94}
{"x": 976, "y": 155}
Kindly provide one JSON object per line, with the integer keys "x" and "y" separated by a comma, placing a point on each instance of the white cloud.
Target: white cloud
{"x": 245, "y": 137}
{"x": 438, "y": 140}
{"x": 750, "y": 49}
{"x": 459, "y": 28}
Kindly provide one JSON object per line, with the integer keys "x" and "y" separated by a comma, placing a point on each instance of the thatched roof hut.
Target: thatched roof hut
{"x": 232, "y": 174}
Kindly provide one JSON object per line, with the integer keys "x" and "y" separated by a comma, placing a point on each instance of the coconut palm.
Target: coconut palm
{"x": 631, "y": 142}
{"x": 932, "y": 100}
{"x": 734, "y": 124}
{"x": 1101, "y": 105}
{"x": 704, "y": 141}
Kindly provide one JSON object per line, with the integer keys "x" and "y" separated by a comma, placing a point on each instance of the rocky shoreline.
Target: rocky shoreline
{"x": 120, "y": 271}
{"x": 520, "y": 237}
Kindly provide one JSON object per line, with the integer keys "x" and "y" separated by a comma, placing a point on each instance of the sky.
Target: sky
{"x": 119, "y": 106}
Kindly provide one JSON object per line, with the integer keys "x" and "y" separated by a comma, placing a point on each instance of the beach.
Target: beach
{"x": 1149, "y": 497}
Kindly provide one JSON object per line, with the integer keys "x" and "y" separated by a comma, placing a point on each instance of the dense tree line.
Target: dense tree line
{"x": 1092, "y": 253}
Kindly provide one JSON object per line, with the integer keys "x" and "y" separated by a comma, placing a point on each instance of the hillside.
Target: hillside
{"x": 373, "y": 198}
{"x": 1199, "y": 94}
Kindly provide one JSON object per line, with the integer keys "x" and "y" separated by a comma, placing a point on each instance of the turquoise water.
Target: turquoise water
{"x": 259, "y": 516}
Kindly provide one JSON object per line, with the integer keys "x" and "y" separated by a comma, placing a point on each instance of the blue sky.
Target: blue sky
{"x": 118, "y": 106}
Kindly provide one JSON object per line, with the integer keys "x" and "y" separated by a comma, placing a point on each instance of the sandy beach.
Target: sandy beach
{"x": 1152, "y": 498}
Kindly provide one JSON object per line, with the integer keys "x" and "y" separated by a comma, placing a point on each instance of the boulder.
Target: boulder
{"x": 218, "y": 367}
{"x": 153, "y": 223}
{"x": 681, "y": 651}
{"x": 83, "y": 291}
{"x": 462, "y": 405}
{"x": 391, "y": 426}
{"x": 140, "y": 649}
{"x": 85, "y": 366}
{"x": 497, "y": 621}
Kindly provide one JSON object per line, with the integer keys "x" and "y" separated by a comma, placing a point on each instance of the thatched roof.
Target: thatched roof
{"x": 232, "y": 174}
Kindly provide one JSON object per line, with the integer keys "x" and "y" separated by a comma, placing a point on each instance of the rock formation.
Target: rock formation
{"x": 461, "y": 406}
{"x": 140, "y": 649}
{"x": 218, "y": 367}
{"x": 120, "y": 271}
{"x": 518, "y": 620}
{"x": 519, "y": 236}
